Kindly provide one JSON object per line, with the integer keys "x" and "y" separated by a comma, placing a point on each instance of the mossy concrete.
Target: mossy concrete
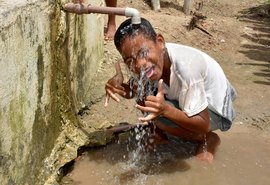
{"x": 48, "y": 63}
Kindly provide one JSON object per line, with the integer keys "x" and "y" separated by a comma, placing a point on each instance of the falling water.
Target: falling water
{"x": 144, "y": 87}
{"x": 140, "y": 145}
{"x": 205, "y": 145}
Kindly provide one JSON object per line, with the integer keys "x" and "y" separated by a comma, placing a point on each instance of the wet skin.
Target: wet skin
{"x": 146, "y": 55}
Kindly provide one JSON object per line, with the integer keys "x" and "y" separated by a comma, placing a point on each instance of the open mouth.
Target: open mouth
{"x": 149, "y": 72}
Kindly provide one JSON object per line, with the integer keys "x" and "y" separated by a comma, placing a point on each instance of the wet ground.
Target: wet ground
{"x": 241, "y": 159}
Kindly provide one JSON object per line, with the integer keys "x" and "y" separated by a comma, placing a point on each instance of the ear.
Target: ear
{"x": 160, "y": 41}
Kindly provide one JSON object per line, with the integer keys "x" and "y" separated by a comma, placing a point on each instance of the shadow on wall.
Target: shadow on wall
{"x": 257, "y": 35}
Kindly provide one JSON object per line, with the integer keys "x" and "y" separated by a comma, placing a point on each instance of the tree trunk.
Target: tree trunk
{"x": 187, "y": 6}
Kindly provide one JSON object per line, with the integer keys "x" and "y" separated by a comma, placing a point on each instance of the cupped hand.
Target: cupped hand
{"x": 154, "y": 105}
{"x": 114, "y": 86}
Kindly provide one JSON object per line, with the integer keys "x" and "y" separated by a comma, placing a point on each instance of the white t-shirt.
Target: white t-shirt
{"x": 197, "y": 81}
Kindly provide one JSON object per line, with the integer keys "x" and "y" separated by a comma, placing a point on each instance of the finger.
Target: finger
{"x": 154, "y": 103}
{"x": 146, "y": 109}
{"x": 147, "y": 118}
{"x": 113, "y": 96}
{"x": 144, "y": 123}
{"x": 151, "y": 98}
{"x": 119, "y": 90}
{"x": 160, "y": 87}
{"x": 107, "y": 98}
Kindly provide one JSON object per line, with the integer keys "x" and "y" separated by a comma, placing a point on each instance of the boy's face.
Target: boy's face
{"x": 141, "y": 54}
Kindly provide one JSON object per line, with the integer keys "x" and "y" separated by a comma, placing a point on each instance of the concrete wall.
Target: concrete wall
{"x": 48, "y": 59}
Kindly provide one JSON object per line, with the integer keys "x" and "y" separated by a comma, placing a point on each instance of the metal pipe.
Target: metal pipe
{"x": 81, "y": 8}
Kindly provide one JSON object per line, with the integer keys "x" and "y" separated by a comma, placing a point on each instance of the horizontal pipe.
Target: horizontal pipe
{"x": 81, "y": 8}
{"x": 124, "y": 127}
{"x": 121, "y": 128}
{"x": 87, "y": 9}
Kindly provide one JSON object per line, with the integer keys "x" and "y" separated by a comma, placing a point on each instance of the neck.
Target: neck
{"x": 166, "y": 68}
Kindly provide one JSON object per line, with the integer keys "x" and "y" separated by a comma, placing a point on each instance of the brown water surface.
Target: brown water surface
{"x": 242, "y": 159}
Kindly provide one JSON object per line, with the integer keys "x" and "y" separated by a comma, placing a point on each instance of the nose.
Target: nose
{"x": 140, "y": 63}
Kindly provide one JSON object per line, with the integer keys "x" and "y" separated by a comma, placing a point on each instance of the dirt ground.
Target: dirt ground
{"x": 239, "y": 41}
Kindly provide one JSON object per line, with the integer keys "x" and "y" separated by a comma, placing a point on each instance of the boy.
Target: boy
{"x": 194, "y": 97}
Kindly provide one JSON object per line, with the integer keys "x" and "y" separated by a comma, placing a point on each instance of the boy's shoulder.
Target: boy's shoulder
{"x": 183, "y": 52}
{"x": 177, "y": 46}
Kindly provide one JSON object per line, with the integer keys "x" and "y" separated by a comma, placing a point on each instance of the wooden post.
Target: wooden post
{"x": 187, "y": 6}
{"x": 155, "y": 4}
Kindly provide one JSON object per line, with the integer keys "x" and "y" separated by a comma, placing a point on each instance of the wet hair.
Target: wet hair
{"x": 127, "y": 29}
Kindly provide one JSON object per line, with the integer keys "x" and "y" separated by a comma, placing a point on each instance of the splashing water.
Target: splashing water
{"x": 133, "y": 29}
{"x": 143, "y": 86}
{"x": 140, "y": 137}
{"x": 125, "y": 29}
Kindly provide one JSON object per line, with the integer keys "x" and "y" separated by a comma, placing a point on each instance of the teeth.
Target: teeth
{"x": 148, "y": 69}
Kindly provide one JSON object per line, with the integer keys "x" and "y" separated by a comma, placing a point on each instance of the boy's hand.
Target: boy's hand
{"x": 155, "y": 105}
{"x": 114, "y": 85}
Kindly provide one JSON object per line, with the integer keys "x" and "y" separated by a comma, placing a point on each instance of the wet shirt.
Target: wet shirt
{"x": 197, "y": 81}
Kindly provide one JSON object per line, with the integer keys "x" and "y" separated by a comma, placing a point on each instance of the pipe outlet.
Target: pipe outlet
{"x": 81, "y": 8}
{"x": 134, "y": 14}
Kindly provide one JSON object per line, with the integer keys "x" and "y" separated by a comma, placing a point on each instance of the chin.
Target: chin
{"x": 154, "y": 77}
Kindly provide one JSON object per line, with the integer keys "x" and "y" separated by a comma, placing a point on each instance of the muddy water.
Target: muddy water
{"x": 242, "y": 158}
